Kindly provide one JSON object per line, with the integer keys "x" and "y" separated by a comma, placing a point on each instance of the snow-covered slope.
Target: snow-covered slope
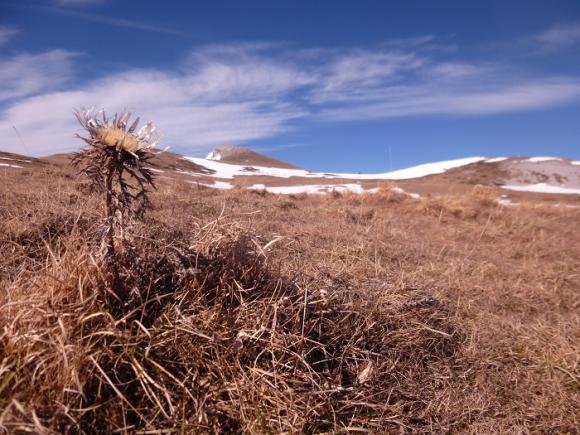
{"x": 534, "y": 174}
{"x": 227, "y": 170}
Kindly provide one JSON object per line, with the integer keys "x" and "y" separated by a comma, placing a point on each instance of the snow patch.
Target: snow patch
{"x": 542, "y": 159}
{"x": 214, "y": 155}
{"x": 322, "y": 189}
{"x": 15, "y": 160}
{"x": 505, "y": 201}
{"x": 223, "y": 185}
{"x": 313, "y": 189}
{"x": 226, "y": 170}
{"x": 543, "y": 188}
{"x": 397, "y": 189}
{"x": 575, "y": 162}
{"x": 496, "y": 159}
{"x": 7, "y": 165}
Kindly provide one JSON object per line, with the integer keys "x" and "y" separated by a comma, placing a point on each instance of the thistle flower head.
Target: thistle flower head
{"x": 116, "y": 132}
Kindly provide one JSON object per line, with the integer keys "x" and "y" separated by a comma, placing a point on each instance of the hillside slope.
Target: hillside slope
{"x": 516, "y": 179}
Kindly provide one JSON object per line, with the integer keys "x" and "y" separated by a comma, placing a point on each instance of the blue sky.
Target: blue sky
{"x": 328, "y": 85}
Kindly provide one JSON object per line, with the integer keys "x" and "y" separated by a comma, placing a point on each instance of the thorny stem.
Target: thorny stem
{"x": 112, "y": 260}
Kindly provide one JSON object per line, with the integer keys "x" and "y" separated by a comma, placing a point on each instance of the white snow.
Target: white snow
{"x": 543, "y": 188}
{"x": 415, "y": 171}
{"x": 397, "y": 189}
{"x": 10, "y": 166}
{"x": 495, "y": 160}
{"x": 217, "y": 185}
{"x": 322, "y": 189}
{"x": 565, "y": 205}
{"x": 228, "y": 171}
{"x": 505, "y": 201}
{"x": 542, "y": 159}
{"x": 214, "y": 155}
{"x": 155, "y": 170}
{"x": 575, "y": 162}
{"x": 15, "y": 160}
{"x": 316, "y": 189}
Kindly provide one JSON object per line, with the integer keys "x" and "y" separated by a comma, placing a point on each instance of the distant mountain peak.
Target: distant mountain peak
{"x": 243, "y": 156}
{"x": 225, "y": 151}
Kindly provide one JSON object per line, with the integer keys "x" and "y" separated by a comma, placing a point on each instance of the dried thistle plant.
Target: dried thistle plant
{"x": 115, "y": 162}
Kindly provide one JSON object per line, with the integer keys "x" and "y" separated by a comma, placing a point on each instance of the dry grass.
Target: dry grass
{"x": 481, "y": 201}
{"x": 257, "y": 313}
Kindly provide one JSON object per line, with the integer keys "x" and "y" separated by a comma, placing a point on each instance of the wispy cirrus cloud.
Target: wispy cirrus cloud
{"x": 28, "y": 74}
{"x": 351, "y": 76}
{"x": 560, "y": 36}
{"x": 127, "y": 23}
{"x": 242, "y": 92}
{"x": 430, "y": 99}
{"x": 117, "y": 22}
{"x": 6, "y": 34}
{"x": 424, "y": 86}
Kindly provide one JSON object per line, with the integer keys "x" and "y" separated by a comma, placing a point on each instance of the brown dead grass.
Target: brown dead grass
{"x": 259, "y": 313}
{"x": 481, "y": 201}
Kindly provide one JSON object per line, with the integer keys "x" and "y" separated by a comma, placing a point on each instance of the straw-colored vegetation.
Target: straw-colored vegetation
{"x": 254, "y": 313}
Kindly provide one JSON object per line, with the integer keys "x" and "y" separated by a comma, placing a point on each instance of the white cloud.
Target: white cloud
{"x": 235, "y": 93}
{"x": 27, "y": 74}
{"x": 241, "y": 72}
{"x": 350, "y": 75}
{"x": 560, "y": 36}
{"x": 196, "y": 109}
{"x": 6, "y": 34}
{"x": 428, "y": 99}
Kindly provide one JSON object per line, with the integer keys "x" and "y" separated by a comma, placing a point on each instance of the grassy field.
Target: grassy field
{"x": 256, "y": 313}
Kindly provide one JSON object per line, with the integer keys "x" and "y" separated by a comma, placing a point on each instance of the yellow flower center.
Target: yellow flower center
{"x": 118, "y": 138}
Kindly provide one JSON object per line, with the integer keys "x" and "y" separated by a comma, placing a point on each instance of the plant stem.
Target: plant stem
{"x": 111, "y": 255}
